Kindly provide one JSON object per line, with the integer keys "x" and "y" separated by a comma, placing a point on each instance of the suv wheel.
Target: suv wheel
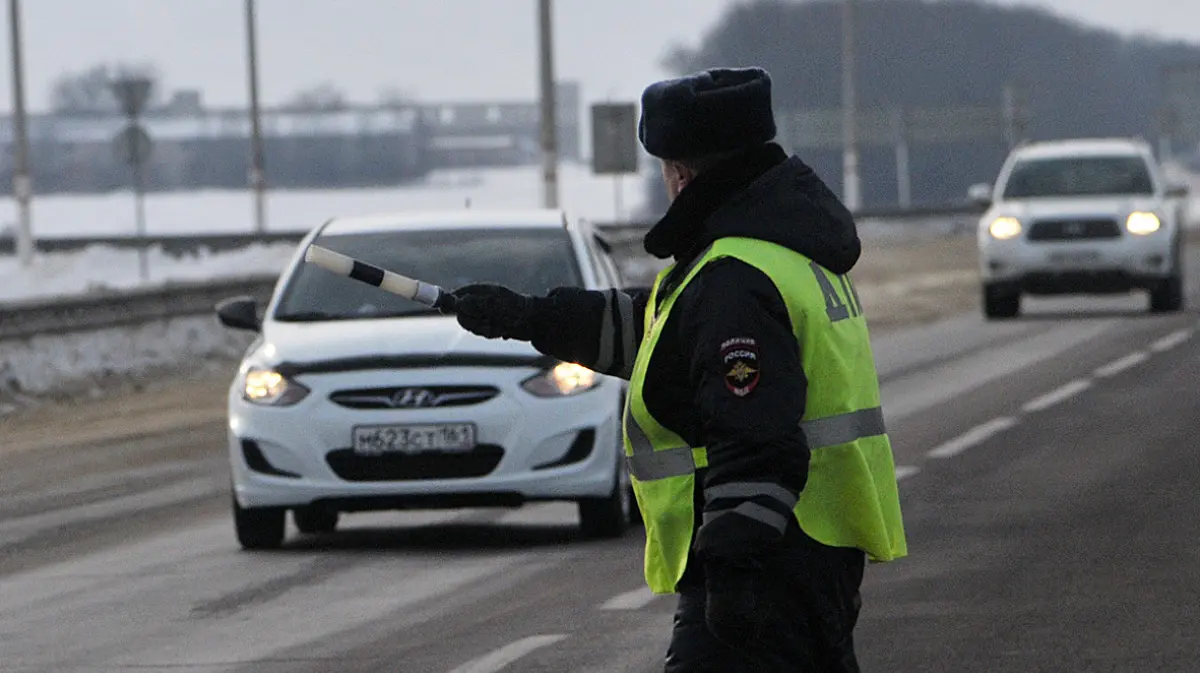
{"x": 315, "y": 520}
{"x": 1000, "y": 303}
{"x": 258, "y": 527}
{"x": 1168, "y": 296}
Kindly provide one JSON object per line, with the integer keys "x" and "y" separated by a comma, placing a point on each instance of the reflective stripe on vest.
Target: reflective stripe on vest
{"x": 647, "y": 464}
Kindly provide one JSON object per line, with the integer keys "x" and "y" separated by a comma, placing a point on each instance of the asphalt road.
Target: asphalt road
{"x": 1049, "y": 478}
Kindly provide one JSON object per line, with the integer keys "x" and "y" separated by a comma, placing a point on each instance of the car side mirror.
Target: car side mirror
{"x": 980, "y": 194}
{"x": 239, "y": 313}
{"x": 1178, "y": 191}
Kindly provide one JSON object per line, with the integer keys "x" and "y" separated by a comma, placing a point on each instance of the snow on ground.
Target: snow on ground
{"x": 216, "y": 211}
{"x": 212, "y": 212}
{"x": 106, "y": 268}
{"x": 49, "y": 363}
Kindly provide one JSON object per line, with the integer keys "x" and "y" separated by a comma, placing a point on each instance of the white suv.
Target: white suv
{"x": 354, "y": 399}
{"x": 1080, "y": 217}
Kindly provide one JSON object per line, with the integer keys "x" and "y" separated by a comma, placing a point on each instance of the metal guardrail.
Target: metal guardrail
{"x": 99, "y": 311}
{"x": 180, "y": 245}
{"x": 173, "y": 245}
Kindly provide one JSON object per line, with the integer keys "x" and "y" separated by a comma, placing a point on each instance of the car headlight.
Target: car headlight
{"x": 564, "y": 379}
{"x": 270, "y": 388}
{"x": 1005, "y": 228}
{"x": 1142, "y": 223}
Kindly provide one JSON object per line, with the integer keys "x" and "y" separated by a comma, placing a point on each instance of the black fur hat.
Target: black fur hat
{"x": 718, "y": 110}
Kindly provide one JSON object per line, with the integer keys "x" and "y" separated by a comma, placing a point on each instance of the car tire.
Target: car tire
{"x": 1168, "y": 296}
{"x": 999, "y": 303}
{"x": 258, "y": 527}
{"x": 611, "y": 515}
{"x": 315, "y": 520}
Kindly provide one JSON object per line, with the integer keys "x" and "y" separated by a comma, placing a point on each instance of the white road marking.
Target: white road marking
{"x": 496, "y": 660}
{"x": 630, "y": 600}
{"x": 1117, "y": 366}
{"x": 972, "y": 437}
{"x": 1057, "y": 395}
{"x": 1171, "y": 340}
{"x": 906, "y": 471}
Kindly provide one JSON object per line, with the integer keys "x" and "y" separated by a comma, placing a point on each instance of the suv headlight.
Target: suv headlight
{"x": 564, "y": 379}
{"x": 1142, "y": 223}
{"x": 270, "y": 388}
{"x": 1005, "y": 228}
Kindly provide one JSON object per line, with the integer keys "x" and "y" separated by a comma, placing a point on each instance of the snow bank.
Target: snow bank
{"x": 44, "y": 364}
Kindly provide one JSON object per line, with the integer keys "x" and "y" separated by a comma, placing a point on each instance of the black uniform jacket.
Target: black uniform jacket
{"x": 726, "y": 372}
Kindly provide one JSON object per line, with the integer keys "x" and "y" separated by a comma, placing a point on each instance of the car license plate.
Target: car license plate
{"x": 1075, "y": 257}
{"x": 380, "y": 439}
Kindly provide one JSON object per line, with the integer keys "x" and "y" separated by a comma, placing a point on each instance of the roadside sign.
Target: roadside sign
{"x": 614, "y": 138}
{"x": 132, "y": 93}
{"x": 133, "y": 145}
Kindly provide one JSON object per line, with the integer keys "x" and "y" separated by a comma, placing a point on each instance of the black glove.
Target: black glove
{"x": 495, "y": 312}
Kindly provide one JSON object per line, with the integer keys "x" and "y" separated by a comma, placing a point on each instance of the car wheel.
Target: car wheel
{"x": 610, "y": 516}
{"x": 315, "y": 520}
{"x": 1000, "y": 303}
{"x": 1168, "y": 296}
{"x": 258, "y": 527}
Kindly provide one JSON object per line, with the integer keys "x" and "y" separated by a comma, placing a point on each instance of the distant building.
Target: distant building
{"x": 196, "y": 147}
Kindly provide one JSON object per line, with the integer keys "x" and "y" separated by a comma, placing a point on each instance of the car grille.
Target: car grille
{"x": 350, "y": 466}
{"x": 1074, "y": 230}
{"x": 413, "y": 397}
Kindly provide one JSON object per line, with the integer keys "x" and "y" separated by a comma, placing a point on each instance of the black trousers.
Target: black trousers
{"x": 812, "y": 594}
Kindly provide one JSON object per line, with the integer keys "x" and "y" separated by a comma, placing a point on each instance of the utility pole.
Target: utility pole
{"x": 22, "y": 184}
{"x": 549, "y": 126}
{"x": 257, "y": 171}
{"x": 851, "y": 187}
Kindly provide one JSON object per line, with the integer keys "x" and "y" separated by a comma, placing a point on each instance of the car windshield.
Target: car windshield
{"x": 1079, "y": 176}
{"x": 527, "y": 260}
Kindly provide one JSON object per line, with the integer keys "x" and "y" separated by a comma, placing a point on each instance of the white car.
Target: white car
{"x": 353, "y": 399}
{"x": 1080, "y": 217}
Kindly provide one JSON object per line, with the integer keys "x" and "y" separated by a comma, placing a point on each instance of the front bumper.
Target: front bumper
{"x": 528, "y": 449}
{"x": 1079, "y": 267}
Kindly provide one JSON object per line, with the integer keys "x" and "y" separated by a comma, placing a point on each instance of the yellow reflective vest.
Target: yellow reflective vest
{"x": 851, "y": 497}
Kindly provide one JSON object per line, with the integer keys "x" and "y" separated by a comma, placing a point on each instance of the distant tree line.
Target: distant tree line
{"x": 1080, "y": 81}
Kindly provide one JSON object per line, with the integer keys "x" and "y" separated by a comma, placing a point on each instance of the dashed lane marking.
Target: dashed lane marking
{"x": 1117, "y": 366}
{"x": 906, "y": 471}
{"x": 1056, "y": 396}
{"x": 496, "y": 660}
{"x": 1171, "y": 340}
{"x": 630, "y": 600}
{"x": 972, "y": 437}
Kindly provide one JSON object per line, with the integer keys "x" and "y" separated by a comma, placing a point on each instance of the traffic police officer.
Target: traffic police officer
{"x": 753, "y": 429}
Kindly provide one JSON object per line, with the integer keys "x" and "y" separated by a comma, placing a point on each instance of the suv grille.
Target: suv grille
{"x": 1072, "y": 230}
{"x": 413, "y": 397}
{"x": 478, "y": 462}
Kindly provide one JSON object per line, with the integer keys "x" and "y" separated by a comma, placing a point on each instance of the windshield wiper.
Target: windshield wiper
{"x": 407, "y": 314}
{"x": 319, "y": 316}
{"x": 309, "y": 316}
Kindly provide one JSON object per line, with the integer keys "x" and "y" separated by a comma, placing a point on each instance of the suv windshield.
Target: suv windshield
{"x": 1079, "y": 176}
{"x": 527, "y": 260}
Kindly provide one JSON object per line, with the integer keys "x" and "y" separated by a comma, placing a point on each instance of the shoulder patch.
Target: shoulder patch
{"x": 740, "y": 365}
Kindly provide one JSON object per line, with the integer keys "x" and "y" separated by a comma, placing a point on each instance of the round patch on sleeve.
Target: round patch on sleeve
{"x": 740, "y": 365}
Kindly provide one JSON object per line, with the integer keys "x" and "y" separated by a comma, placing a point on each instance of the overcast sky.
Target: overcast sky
{"x": 436, "y": 49}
